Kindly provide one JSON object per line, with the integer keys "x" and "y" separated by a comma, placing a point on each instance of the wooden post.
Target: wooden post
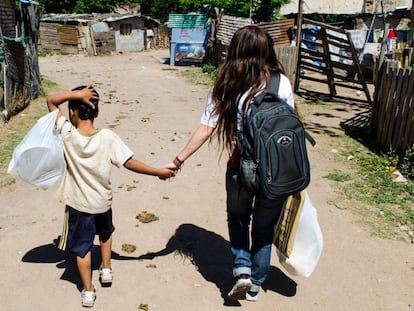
{"x": 298, "y": 43}
{"x": 381, "y": 56}
{"x": 412, "y": 25}
{"x": 299, "y": 21}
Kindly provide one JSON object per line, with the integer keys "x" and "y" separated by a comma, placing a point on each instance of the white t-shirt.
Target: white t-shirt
{"x": 86, "y": 184}
{"x": 210, "y": 119}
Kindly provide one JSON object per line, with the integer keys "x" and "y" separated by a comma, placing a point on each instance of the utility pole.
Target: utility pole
{"x": 250, "y": 13}
{"x": 412, "y": 25}
{"x": 299, "y": 22}
{"x": 298, "y": 42}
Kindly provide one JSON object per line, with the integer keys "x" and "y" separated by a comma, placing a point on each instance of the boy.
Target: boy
{"x": 85, "y": 188}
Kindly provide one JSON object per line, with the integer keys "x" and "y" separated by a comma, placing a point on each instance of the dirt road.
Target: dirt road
{"x": 154, "y": 110}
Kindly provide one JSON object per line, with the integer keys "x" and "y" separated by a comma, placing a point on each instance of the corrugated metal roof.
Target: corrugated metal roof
{"x": 189, "y": 21}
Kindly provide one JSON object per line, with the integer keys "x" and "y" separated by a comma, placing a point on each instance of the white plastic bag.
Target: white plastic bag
{"x": 38, "y": 159}
{"x": 308, "y": 243}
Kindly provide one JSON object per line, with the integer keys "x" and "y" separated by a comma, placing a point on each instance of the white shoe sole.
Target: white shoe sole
{"x": 240, "y": 289}
{"x": 88, "y": 299}
{"x": 106, "y": 276}
{"x": 250, "y": 297}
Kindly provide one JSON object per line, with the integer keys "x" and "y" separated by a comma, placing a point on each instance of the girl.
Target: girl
{"x": 247, "y": 69}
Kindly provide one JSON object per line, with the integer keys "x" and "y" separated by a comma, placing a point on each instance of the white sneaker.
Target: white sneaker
{"x": 106, "y": 276}
{"x": 251, "y": 296}
{"x": 88, "y": 298}
{"x": 240, "y": 288}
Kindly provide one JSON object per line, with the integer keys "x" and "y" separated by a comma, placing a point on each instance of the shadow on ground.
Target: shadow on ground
{"x": 50, "y": 253}
{"x": 211, "y": 254}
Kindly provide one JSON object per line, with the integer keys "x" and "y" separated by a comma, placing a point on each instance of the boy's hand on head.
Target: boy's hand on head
{"x": 87, "y": 94}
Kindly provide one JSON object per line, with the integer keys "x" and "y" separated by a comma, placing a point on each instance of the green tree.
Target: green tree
{"x": 259, "y": 10}
{"x": 79, "y": 6}
{"x": 267, "y": 10}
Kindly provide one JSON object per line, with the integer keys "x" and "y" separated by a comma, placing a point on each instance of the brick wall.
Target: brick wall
{"x": 7, "y": 18}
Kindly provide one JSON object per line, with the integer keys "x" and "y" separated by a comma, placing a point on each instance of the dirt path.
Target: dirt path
{"x": 154, "y": 110}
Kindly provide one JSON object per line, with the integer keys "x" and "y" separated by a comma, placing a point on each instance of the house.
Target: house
{"x": 93, "y": 34}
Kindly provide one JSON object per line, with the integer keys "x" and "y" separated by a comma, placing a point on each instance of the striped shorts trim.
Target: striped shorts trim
{"x": 65, "y": 230}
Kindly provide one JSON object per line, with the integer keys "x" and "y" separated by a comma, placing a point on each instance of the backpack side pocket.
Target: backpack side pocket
{"x": 248, "y": 172}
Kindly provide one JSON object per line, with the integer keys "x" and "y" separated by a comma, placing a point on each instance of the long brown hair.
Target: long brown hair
{"x": 248, "y": 66}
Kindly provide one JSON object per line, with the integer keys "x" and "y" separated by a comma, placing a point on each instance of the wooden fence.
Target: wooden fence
{"x": 327, "y": 56}
{"x": 288, "y": 57}
{"x": 392, "y": 119}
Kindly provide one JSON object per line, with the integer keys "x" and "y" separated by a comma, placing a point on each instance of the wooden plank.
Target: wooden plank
{"x": 314, "y": 79}
{"x": 314, "y": 43}
{"x": 382, "y": 90}
{"x": 343, "y": 66}
{"x": 401, "y": 124}
{"x": 343, "y": 46}
{"x": 347, "y": 85}
{"x": 326, "y": 26}
{"x": 330, "y": 37}
{"x": 313, "y": 53}
{"x": 394, "y": 107}
{"x": 408, "y": 119}
{"x": 385, "y": 102}
{"x": 317, "y": 60}
{"x": 376, "y": 107}
{"x": 313, "y": 67}
{"x": 388, "y": 112}
{"x": 68, "y": 34}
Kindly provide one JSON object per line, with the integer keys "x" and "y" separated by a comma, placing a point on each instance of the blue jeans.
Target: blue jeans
{"x": 243, "y": 208}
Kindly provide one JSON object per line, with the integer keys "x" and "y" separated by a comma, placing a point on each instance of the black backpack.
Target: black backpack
{"x": 274, "y": 159}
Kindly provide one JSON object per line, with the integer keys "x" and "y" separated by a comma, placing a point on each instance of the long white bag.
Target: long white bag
{"x": 38, "y": 159}
{"x": 308, "y": 243}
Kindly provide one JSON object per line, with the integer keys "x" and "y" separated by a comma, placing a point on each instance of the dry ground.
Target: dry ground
{"x": 155, "y": 110}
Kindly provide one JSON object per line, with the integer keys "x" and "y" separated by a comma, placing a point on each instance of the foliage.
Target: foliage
{"x": 267, "y": 10}
{"x": 79, "y": 6}
{"x": 211, "y": 70}
{"x": 259, "y": 10}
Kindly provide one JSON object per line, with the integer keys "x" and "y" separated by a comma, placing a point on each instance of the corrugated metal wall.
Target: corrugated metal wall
{"x": 278, "y": 30}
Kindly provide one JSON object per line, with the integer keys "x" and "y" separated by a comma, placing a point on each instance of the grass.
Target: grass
{"x": 16, "y": 128}
{"x": 386, "y": 206}
{"x": 196, "y": 75}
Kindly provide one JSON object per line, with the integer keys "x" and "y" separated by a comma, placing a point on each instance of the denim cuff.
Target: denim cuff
{"x": 241, "y": 270}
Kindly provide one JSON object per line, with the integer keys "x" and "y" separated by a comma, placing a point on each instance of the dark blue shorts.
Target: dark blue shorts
{"x": 79, "y": 230}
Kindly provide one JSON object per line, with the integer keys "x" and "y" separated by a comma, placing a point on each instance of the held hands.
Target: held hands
{"x": 175, "y": 165}
{"x": 166, "y": 173}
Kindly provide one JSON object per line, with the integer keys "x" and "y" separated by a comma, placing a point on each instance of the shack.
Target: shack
{"x": 94, "y": 34}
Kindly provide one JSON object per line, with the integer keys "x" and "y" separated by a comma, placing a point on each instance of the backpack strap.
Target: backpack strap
{"x": 310, "y": 138}
{"x": 272, "y": 89}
